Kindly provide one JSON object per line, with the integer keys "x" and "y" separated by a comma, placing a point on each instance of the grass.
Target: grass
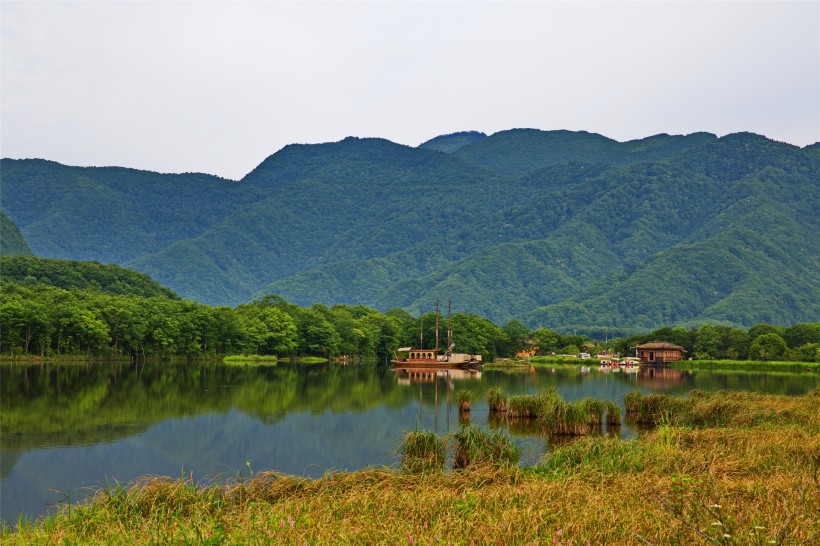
{"x": 556, "y": 416}
{"x": 747, "y": 365}
{"x": 476, "y": 447}
{"x": 423, "y": 451}
{"x": 250, "y": 359}
{"x": 464, "y": 400}
{"x": 754, "y": 479}
{"x": 497, "y": 400}
{"x": 723, "y": 408}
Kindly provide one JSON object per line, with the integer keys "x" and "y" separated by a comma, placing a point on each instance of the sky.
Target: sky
{"x": 216, "y": 87}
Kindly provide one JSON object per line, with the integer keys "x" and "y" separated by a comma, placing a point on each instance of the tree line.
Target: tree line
{"x": 44, "y": 320}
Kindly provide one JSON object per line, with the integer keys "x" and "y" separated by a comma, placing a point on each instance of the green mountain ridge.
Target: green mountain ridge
{"x": 12, "y": 242}
{"x": 79, "y": 275}
{"x": 556, "y": 228}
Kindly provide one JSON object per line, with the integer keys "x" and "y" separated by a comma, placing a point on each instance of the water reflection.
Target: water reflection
{"x": 67, "y": 427}
{"x": 408, "y": 376}
{"x": 661, "y": 378}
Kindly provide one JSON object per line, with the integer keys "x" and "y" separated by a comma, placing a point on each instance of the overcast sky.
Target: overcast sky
{"x": 218, "y": 86}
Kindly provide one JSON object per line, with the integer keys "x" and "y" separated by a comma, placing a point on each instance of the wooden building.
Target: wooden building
{"x": 658, "y": 353}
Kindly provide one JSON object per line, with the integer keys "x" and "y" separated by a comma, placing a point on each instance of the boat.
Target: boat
{"x": 408, "y": 357}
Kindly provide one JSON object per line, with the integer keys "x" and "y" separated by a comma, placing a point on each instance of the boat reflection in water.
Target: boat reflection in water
{"x": 407, "y": 376}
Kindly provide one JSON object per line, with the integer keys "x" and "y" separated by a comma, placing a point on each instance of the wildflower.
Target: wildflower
{"x": 410, "y": 539}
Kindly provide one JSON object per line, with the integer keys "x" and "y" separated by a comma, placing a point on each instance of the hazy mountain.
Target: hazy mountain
{"x": 558, "y": 228}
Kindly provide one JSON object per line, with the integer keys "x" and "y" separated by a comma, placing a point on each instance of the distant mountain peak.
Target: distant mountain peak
{"x": 452, "y": 142}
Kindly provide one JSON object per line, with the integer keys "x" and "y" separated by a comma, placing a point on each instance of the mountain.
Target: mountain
{"x": 12, "y": 242}
{"x": 559, "y": 228}
{"x": 77, "y": 275}
{"x": 452, "y": 142}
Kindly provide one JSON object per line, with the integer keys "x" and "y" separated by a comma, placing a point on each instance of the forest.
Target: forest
{"x": 59, "y": 307}
{"x": 568, "y": 229}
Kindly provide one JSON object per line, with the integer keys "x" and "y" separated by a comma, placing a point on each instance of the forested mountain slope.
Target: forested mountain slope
{"x": 111, "y": 214}
{"x": 77, "y": 275}
{"x": 559, "y": 228}
{"x": 12, "y": 242}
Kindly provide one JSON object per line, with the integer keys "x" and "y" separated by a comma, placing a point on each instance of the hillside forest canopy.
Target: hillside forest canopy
{"x": 61, "y": 308}
{"x": 567, "y": 229}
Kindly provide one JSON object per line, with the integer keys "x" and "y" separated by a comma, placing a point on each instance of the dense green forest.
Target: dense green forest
{"x": 569, "y": 230}
{"x": 12, "y": 242}
{"x": 55, "y": 307}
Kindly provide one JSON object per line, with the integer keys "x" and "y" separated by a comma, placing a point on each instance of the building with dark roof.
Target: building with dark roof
{"x": 658, "y": 353}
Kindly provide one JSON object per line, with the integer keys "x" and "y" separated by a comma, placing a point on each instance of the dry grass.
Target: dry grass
{"x": 739, "y": 483}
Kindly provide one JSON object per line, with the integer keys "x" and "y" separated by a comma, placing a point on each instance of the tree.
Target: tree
{"x": 767, "y": 347}
{"x": 547, "y": 340}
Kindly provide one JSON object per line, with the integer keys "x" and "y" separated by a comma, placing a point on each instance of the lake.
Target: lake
{"x": 67, "y": 428}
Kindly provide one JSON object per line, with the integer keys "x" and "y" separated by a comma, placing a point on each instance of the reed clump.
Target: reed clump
{"x": 557, "y": 416}
{"x": 720, "y": 409}
{"x": 524, "y": 406}
{"x": 423, "y": 451}
{"x": 613, "y": 414}
{"x": 464, "y": 400}
{"x": 755, "y": 479}
{"x": 476, "y": 447}
{"x": 497, "y": 400}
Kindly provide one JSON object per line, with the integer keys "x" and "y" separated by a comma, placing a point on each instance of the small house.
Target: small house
{"x": 658, "y": 353}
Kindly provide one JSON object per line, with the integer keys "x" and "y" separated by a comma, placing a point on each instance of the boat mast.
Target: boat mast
{"x": 421, "y": 328}
{"x": 436, "y": 325}
{"x": 449, "y": 328}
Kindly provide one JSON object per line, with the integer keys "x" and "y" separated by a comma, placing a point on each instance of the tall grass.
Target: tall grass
{"x": 718, "y": 409}
{"x": 464, "y": 400}
{"x": 474, "y": 446}
{"x": 497, "y": 400}
{"x": 752, "y": 479}
{"x": 423, "y": 451}
{"x": 556, "y": 416}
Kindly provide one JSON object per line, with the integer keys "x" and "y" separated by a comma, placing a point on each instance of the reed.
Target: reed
{"x": 718, "y": 409}
{"x": 524, "y": 406}
{"x": 474, "y": 446}
{"x": 497, "y": 400}
{"x": 613, "y": 414}
{"x": 422, "y": 452}
{"x": 464, "y": 399}
{"x": 755, "y": 479}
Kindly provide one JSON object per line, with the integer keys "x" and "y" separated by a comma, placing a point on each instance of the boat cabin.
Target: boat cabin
{"x": 659, "y": 353}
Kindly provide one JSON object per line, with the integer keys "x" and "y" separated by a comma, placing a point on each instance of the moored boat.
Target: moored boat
{"x": 408, "y": 357}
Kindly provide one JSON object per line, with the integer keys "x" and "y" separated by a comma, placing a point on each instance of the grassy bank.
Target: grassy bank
{"x": 747, "y": 365}
{"x": 251, "y": 359}
{"x": 738, "y": 480}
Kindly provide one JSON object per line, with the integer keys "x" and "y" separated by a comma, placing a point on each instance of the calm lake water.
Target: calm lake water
{"x": 66, "y": 428}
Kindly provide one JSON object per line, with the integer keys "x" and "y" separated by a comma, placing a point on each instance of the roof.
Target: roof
{"x": 660, "y": 345}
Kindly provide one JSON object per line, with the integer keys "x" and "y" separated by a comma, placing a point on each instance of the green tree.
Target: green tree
{"x": 767, "y": 347}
